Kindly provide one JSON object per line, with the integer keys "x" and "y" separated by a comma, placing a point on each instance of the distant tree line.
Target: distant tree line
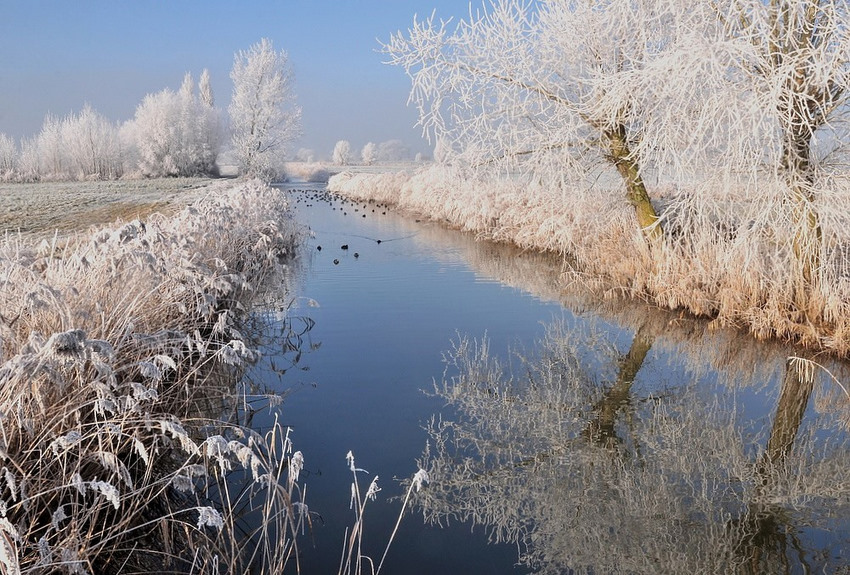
{"x": 172, "y": 133}
{"x": 344, "y": 155}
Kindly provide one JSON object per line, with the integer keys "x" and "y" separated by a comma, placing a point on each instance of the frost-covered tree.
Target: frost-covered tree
{"x": 187, "y": 132}
{"x": 393, "y": 151}
{"x": 305, "y": 155}
{"x": 129, "y": 148}
{"x": 209, "y": 125}
{"x": 547, "y": 87}
{"x": 8, "y": 157}
{"x": 29, "y": 169}
{"x": 199, "y": 130}
{"x": 369, "y": 153}
{"x": 205, "y": 89}
{"x": 264, "y": 118}
{"x": 52, "y": 157}
{"x": 788, "y": 61}
{"x": 155, "y": 134}
{"x": 710, "y": 95}
{"x": 177, "y": 133}
{"x": 342, "y": 153}
{"x": 92, "y": 146}
{"x": 758, "y": 103}
{"x": 80, "y": 145}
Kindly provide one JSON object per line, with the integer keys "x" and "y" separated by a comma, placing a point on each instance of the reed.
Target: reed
{"x": 728, "y": 253}
{"x": 353, "y": 561}
{"x": 123, "y": 438}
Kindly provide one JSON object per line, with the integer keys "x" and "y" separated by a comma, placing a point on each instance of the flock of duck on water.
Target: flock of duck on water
{"x": 308, "y": 196}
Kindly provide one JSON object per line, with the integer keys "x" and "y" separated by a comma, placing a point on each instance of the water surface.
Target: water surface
{"x": 595, "y": 435}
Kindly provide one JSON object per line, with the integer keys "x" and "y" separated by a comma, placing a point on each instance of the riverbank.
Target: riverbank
{"x": 728, "y": 261}
{"x": 122, "y": 443}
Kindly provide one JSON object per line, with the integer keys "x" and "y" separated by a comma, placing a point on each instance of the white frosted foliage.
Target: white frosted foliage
{"x": 264, "y": 118}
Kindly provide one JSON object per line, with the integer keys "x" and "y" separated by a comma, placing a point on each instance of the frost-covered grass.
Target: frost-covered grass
{"x": 353, "y": 561}
{"x": 44, "y": 208}
{"x": 122, "y": 448}
{"x": 728, "y": 255}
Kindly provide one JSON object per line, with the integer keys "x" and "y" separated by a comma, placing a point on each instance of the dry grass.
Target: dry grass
{"x": 123, "y": 446}
{"x": 728, "y": 254}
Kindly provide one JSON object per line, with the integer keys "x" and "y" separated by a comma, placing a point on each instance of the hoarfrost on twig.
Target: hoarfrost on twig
{"x": 209, "y": 517}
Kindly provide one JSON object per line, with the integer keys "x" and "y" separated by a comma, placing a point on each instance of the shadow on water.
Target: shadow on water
{"x": 625, "y": 439}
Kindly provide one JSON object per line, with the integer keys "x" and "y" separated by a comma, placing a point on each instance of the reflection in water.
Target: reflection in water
{"x": 797, "y": 386}
{"x": 590, "y": 452}
{"x": 768, "y": 537}
{"x": 634, "y": 476}
{"x": 601, "y": 428}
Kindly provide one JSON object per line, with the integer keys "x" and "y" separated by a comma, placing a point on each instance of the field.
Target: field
{"x": 40, "y": 209}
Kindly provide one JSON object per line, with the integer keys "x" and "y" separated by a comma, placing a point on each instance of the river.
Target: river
{"x": 594, "y": 435}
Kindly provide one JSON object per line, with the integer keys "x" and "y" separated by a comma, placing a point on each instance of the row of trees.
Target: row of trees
{"x": 343, "y": 154}
{"x": 82, "y": 144}
{"x": 716, "y": 93}
{"x": 172, "y": 133}
{"x": 389, "y": 151}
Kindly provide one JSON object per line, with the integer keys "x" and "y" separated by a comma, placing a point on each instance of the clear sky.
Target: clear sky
{"x": 55, "y": 56}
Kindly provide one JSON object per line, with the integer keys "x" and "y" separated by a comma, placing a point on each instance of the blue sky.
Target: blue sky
{"x": 55, "y": 56}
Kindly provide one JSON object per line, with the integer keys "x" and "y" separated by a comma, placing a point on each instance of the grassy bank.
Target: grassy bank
{"x": 728, "y": 256}
{"x": 122, "y": 446}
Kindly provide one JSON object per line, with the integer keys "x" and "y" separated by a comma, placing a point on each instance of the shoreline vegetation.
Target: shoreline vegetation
{"x": 124, "y": 436}
{"x": 735, "y": 265}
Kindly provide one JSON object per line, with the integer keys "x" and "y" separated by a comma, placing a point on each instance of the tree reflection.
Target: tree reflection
{"x": 768, "y": 535}
{"x": 797, "y": 385}
{"x": 633, "y": 476}
{"x": 601, "y": 428}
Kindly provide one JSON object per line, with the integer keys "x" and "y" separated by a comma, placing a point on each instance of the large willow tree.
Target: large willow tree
{"x": 744, "y": 100}
{"x": 547, "y": 88}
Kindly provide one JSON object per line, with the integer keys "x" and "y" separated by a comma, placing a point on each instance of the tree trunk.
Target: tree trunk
{"x": 620, "y": 155}
{"x": 807, "y": 229}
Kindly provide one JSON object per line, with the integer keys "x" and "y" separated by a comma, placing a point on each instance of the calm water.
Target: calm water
{"x": 609, "y": 438}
